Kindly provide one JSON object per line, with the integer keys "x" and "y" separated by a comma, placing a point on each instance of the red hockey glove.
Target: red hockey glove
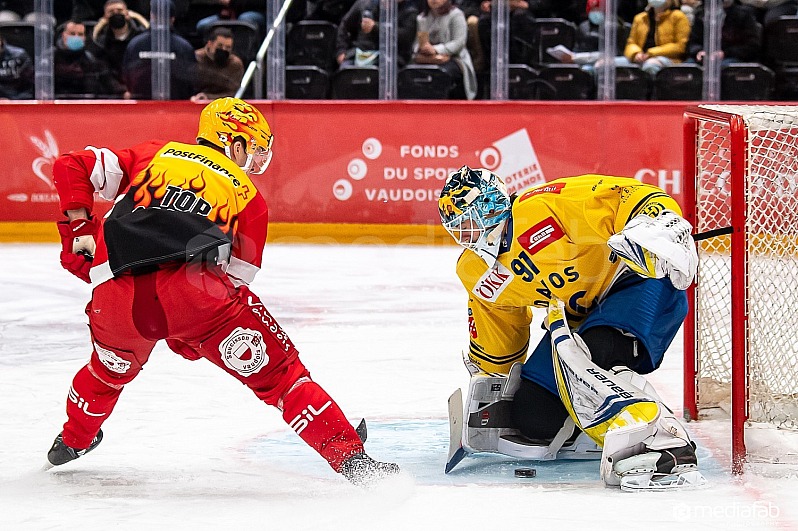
{"x": 77, "y": 246}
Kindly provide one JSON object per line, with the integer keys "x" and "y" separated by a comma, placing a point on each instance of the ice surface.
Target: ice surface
{"x": 381, "y": 328}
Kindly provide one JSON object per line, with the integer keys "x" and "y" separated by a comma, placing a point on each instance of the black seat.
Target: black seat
{"x": 565, "y": 82}
{"x": 246, "y": 39}
{"x": 549, "y": 32}
{"x": 20, "y": 34}
{"x": 631, "y": 83}
{"x": 423, "y": 82}
{"x": 356, "y": 83}
{"x": 312, "y": 42}
{"x": 682, "y": 82}
{"x": 521, "y": 82}
{"x": 306, "y": 83}
{"x": 782, "y": 41}
{"x": 747, "y": 82}
{"x": 787, "y": 84}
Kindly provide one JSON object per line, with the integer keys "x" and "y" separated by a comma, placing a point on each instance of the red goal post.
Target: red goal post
{"x": 741, "y": 333}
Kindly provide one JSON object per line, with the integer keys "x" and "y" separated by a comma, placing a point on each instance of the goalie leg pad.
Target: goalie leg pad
{"x": 596, "y": 399}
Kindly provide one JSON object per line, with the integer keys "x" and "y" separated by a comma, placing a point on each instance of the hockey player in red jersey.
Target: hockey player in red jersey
{"x": 172, "y": 260}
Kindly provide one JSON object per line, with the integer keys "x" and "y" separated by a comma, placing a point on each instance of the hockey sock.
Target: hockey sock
{"x": 317, "y": 419}
{"x": 89, "y": 403}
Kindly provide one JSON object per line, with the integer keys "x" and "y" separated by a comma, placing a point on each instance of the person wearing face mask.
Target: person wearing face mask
{"x": 586, "y": 51}
{"x": 113, "y": 32}
{"x": 658, "y": 37}
{"x": 77, "y": 72}
{"x": 219, "y": 70}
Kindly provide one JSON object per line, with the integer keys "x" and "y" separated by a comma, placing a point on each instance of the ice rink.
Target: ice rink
{"x": 381, "y": 328}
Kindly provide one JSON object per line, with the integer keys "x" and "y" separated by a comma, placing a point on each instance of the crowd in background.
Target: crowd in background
{"x": 102, "y": 48}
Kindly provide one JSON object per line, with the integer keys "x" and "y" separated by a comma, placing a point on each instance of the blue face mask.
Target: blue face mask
{"x": 657, "y": 3}
{"x": 596, "y": 17}
{"x": 74, "y": 43}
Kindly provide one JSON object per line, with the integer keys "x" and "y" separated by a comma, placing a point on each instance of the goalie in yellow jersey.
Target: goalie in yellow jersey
{"x": 610, "y": 258}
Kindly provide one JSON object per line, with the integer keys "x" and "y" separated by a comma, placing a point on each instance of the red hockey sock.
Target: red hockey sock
{"x": 317, "y": 419}
{"x": 89, "y": 403}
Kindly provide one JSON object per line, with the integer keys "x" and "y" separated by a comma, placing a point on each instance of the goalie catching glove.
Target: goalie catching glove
{"x": 658, "y": 247}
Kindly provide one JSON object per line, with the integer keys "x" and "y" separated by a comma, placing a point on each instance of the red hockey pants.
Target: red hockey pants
{"x": 200, "y": 314}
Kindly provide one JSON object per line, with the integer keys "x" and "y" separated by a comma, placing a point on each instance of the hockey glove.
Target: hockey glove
{"x": 658, "y": 247}
{"x": 77, "y": 246}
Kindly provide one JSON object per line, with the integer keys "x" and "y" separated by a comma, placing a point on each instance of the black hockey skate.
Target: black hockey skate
{"x": 362, "y": 470}
{"x": 60, "y": 453}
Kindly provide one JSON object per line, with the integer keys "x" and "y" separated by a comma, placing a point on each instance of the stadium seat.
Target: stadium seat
{"x": 20, "y": 34}
{"x": 312, "y": 42}
{"x": 631, "y": 83}
{"x": 423, "y": 82}
{"x": 747, "y": 82}
{"x": 246, "y": 39}
{"x": 356, "y": 83}
{"x": 521, "y": 82}
{"x": 679, "y": 82}
{"x": 549, "y": 32}
{"x": 782, "y": 41}
{"x": 565, "y": 82}
{"x": 787, "y": 84}
{"x": 306, "y": 83}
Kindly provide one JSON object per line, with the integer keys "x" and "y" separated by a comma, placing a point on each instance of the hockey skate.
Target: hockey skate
{"x": 60, "y": 453}
{"x": 363, "y": 471}
{"x": 674, "y": 468}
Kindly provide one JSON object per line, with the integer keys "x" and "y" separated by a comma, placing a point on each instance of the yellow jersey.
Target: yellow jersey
{"x": 555, "y": 246}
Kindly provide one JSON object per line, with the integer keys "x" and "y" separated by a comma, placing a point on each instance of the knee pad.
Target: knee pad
{"x": 609, "y": 347}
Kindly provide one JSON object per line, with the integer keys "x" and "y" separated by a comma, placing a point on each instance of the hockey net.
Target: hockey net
{"x": 741, "y": 337}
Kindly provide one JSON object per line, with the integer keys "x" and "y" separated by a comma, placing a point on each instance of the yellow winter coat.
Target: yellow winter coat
{"x": 673, "y": 32}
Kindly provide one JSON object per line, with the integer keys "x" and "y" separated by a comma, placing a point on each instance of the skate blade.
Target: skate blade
{"x": 657, "y": 482}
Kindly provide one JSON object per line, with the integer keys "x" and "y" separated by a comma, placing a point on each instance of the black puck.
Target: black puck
{"x": 525, "y": 472}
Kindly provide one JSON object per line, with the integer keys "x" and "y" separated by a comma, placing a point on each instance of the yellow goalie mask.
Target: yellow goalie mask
{"x": 225, "y": 119}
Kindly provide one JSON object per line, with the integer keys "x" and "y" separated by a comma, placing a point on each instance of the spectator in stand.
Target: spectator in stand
{"x": 137, "y": 65}
{"x": 329, "y": 10}
{"x": 16, "y": 73}
{"x": 741, "y": 41}
{"x": 441, "y": 40}
{"x": 219, "y": 70}
{"x": 252, "y": 11}
{"x": 769, "y": 11}
{"x": 358, "y": 40}
{"x": 521, "y": 50}
{"x": 586, "y": 51}
{"x": 95, "y": 9}
{"x": 76, "y": 71}
{"x": 658, "y": 37}
{"x": 113, "y": 33}
{"x": 689, "y": 8}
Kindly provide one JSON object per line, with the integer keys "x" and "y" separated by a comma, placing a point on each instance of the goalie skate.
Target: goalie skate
{"x": 660, "y": 470}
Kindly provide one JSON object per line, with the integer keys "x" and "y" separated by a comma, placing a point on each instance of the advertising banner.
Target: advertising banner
{"x": 361, "y": 162}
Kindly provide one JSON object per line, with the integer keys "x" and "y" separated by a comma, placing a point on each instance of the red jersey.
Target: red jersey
{"x": 173, "y": 202}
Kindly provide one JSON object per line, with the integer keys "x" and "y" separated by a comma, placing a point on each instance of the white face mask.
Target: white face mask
{"x": 657, "y": 3}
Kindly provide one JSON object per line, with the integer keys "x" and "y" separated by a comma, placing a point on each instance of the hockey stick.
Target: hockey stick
{"x": 712, "y": 233}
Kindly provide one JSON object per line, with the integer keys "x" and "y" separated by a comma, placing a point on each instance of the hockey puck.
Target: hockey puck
{"x": 525, "y": 472}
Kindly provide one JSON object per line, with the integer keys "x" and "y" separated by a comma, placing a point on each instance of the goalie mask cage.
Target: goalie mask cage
{"x": 741, "y": 335}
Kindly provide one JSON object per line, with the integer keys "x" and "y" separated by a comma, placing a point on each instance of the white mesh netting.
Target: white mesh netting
{"x": 771, "y": 199}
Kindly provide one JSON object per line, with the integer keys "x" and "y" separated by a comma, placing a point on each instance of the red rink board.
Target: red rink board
{"x": 361, "y": 162}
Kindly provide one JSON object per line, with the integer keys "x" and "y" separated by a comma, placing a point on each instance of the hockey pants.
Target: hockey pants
{"x": 200, "y": 314}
